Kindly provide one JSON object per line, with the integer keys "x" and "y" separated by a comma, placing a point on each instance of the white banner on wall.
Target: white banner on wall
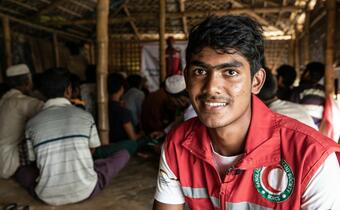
{"x": 150, "y": 62}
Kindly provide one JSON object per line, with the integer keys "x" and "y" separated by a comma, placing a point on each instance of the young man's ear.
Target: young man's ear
{"x": 185, "y": 74}
{"x": 258, "y": 81}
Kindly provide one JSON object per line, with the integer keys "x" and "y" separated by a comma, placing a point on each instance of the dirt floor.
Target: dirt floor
{"x": 132, "y": 189}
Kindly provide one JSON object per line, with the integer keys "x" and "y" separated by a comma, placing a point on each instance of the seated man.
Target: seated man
{"x": 268, "y": 95}
{"x": 60, "y": 139}
{"x": 16, "y": 108}
{"x": 120, "y": 118}
{"x": 178, "y": 101}
{"x": 134, "y": 98}
{"x": 286, "y": 76}
{"x": 311, "y": 93}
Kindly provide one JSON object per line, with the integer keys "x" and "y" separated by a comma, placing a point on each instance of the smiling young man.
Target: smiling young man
{"x": 238, "y": 154}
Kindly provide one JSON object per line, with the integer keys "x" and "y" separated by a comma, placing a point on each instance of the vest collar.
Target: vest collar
{"x": 262, "y": 146}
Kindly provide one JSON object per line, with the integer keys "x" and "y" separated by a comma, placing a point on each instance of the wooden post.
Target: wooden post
{"x": 291, "y": 54}
{"x": 329, "y": 73}
{"x": 162, "y": 61}
{"x": 306, "y": 39}
{"x": 92, "y": 53}
{"x": 102, "y": 69}
{"x": 56, "y": 50}
{"x": 7, "y": 42}
{"x": 297, "y": 54}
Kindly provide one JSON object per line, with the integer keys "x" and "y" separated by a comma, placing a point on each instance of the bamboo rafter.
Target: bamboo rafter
{"x": 51, "y": 6}
{"x": 44, "y": 28}
{"x": 132, "y": 23}
{"x": 184, "y": 19}
{"x": 24, "y": 5}
{"x": 78, "y": 3}
{"x": 260, "y": 19}
{"x": 171, "y": 15}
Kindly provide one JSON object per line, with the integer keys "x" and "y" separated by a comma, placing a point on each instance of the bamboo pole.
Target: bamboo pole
{"x": 306, "y": 39}
{"x": 102, "y": 69}
{"x": 92, "y": 53}
{"x": 162, "y": 61}
{"x": 56, "y": 50}
{"x": 291, "y": 54}
{"x": 7, "y": 41}
{"x": 184, "y": 19}
{"x": 297, "y": 53}
{"x": 329, "y": 73}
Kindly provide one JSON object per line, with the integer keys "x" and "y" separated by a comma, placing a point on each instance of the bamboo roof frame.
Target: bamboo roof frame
{"x": 44, "y": 28}
{"x": 141, "y": 15}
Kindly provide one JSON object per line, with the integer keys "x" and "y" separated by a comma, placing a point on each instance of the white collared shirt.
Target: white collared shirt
{"x": 15, "y": 110}
{"x": 59, "y": 139}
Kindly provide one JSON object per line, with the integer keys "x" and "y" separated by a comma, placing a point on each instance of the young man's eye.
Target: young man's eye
{"x": 231, "y": 73}
{"x": 199, "y": 71}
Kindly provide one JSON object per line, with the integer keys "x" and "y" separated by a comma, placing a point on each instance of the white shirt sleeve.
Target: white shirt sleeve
{"x": 322, "y": 191}
{"x": 30, "y": 150}
{"x": 94, "y": 138}
{"x": 168, "y": 189}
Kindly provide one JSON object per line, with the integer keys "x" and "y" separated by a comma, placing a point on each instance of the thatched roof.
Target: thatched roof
{"x": 139, "y": 19}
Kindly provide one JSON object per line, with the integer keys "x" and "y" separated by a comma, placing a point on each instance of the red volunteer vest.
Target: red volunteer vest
{"x": 275, "y": 145}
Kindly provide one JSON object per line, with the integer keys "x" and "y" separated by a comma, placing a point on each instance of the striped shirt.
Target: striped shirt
{"x": 59, "y": 139}
{"x": 312, "y": 97}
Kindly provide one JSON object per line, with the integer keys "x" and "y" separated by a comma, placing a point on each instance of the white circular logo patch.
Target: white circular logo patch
{"x": 274, "y": 183}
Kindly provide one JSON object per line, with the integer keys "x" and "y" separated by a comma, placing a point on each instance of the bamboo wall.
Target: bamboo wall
{"x": 125, "y": 56}
{"x": 276, "y": 53}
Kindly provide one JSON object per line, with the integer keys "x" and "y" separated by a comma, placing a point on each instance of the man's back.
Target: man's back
{"x": 59, "y": 138}
{"x": 15, "y": 109}
{"x": 312, "y": 97}
{"x": 293, "y": 110}
{"x": 134, "y": 99}
{"x": 154, "y": 111}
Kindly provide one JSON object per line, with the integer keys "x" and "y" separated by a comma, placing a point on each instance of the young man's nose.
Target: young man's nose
{"x": 213, "y": 82}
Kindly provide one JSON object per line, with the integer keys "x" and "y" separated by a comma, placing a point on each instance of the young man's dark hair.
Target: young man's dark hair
{"x": 135, "y": 81}
{"x": 269, "y": 88}
{"x": 316, "y": 71}
{"x": 219, "y": 33}
{"x": 288, "y": 74}
{"x": 54, "y": 82}
{"x": 114, "y": 82}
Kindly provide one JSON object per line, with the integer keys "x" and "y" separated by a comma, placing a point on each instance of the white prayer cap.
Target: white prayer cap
{"x": 175, "y": 84}
{"x": 17, "y": 70}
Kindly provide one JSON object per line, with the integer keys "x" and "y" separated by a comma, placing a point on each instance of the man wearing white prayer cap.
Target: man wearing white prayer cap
{"x": 175, "y": 87}
{"x": 16, "y": 107}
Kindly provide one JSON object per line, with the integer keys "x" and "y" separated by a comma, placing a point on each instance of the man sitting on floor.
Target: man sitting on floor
{"x": 16, "y": 108}
{"x": 268, "y": 95}
{"x": 60, "y": 139}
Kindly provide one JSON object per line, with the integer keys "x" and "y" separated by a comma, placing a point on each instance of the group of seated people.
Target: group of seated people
{"x": 304, "y": 102}
{"x": 50, "y": 144}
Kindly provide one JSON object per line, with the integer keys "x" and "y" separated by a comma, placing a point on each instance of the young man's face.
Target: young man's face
{"x": 220, "y": 87}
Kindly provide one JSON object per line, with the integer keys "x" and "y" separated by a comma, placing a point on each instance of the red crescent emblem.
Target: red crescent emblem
{"x": 265, "y": 175}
